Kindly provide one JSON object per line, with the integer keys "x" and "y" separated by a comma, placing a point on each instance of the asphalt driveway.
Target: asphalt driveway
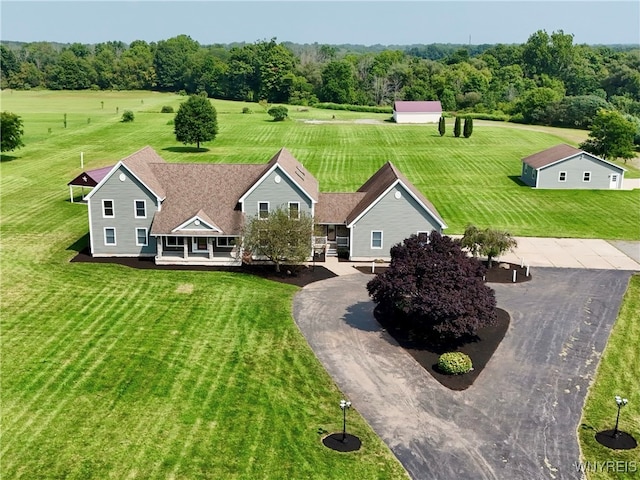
{"x": 518, "y": 420}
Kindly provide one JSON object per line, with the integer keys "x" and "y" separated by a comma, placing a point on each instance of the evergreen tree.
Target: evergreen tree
{"x": 468, "y": 127}
{"x": 456, "y": 128}
{"x": 441, "y": 126}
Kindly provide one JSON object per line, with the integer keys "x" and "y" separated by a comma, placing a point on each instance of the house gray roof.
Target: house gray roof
{"x": 336, "y": 207}
{"x": 417, "y": 107}
{"x": 295, "y": 170}
{"x": 140, "y": 164}
{"x": 210, "y": 191}
{"x": 557, "y": 154}
{"x": 386, "y": 176}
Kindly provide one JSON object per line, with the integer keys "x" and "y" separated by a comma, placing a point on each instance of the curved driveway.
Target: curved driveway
{"x": 518, "y": 420}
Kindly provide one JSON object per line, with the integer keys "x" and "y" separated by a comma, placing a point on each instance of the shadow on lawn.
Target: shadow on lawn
{"x": 517, "y": 180}
{"x": 7, "y": 158}
{"x": 186, "y": 149}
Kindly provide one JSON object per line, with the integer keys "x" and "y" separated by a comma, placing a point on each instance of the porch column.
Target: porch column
{"x": 159, "y": 247}
{"x": 210, "y": 248}
{"x": 185, "y": 248}
{"x": 71, "y": 193}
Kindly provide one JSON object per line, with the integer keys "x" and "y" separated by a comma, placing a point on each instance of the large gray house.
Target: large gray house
{"x": 194, "y": 213}
{"x": 564, "y": 166}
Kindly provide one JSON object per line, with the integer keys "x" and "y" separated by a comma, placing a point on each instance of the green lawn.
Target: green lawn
{"x": 109, "y": 372}
{"x": 471, "y": 180}
{"x": 617, "y": 375}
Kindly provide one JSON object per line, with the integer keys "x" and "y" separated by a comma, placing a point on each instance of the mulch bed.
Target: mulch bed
{"x": 299, "y": 275}
{"x": 500, "y": 272}
{"x": 480, "y": 349}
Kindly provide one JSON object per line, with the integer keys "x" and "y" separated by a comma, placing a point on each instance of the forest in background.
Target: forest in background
{"x": 547, "y": 80}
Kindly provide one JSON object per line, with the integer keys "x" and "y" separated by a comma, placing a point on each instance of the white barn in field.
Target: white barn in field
{"x": 417, "y": 112}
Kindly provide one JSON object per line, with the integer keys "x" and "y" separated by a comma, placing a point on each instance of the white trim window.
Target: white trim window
{"x": 225, "y": 241}
{"x": 142, "y": 239}
{"x": 263, "y": 210}
{"x": 110, "y": 236}
{"x": 294, "y": 210}
{"x": 108, "y": 208}
{"x": 140, "y": 208}
{"x": 173, "y": 241}
{"x": 562, "y": 176}
{"x": 376, "y": 239}
{"x": 423, "y": 236}
{"x": 586, "y": 176}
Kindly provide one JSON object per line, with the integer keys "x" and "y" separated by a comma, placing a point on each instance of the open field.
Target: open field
{"x": 469, "y": 180}
{"x": 617, "y": 375}
{"x": 109, "y": 372}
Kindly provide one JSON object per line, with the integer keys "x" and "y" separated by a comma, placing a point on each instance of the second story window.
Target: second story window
{"x": 294, "y": 210}
{"x": 141, "y": 208}
{"x": 108, "y": 210}
{"x": 263, "y": 210}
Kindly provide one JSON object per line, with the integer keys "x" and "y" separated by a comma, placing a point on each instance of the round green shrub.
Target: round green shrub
{"x": 246, "y": 110}
{"x": 128, "y": 116}
{"x": 167, "y": 109}
{"x": 454, "y": 363}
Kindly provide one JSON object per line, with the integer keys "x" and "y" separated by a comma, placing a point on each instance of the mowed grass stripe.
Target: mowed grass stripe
{"x": 85, "y": 361}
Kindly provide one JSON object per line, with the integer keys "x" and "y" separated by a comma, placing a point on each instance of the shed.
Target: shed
{"x": 567, "y": 167}
{"x": 417, "y": 112}
{"x": 89, "y": 179}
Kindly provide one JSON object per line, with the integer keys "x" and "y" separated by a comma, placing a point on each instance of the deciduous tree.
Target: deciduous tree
{"x": 436, "y": 287}
{"x": 283, "y": 237}
{"x": 11, "y": 132}
{"x": 611, "y": 136}
{"x": 196, "y": 121}
{"x": 488, "y": 242}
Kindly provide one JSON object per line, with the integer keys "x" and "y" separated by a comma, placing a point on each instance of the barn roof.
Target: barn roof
{"x": 417, "y": 107}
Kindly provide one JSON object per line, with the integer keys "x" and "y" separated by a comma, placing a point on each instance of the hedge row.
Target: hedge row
{"x": 353, "y": 108}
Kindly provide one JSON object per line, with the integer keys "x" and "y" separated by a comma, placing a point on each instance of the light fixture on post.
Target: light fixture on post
{"x": 621, "y": 402}
{"x": 344, "y": 405}
{"x": 343, "y": 441}
{"x": 617, "y": 439}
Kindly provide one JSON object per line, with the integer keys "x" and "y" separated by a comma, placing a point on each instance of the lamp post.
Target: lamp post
{"x": 621, "y": 403}
{"x": 344, "y": 405}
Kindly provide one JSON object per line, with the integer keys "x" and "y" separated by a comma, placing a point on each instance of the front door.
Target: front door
{"x": 199, "y": 244}
{"x": 613, "y": 181}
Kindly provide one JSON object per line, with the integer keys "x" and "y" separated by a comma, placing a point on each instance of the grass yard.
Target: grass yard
{"x": 617, "y": 375}
{"x": 471, "y": 180}
{"x": 109, "y": 372}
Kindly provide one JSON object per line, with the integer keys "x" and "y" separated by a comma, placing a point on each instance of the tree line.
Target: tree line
{"x": 547, "y": 80}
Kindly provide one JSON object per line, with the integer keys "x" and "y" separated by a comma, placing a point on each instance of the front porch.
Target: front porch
{"x": 335, "y": 239}
{"x": 208, "y": 251}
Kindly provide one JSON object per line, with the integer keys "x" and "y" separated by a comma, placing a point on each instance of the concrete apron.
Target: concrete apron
{"x": 573, "y": 253}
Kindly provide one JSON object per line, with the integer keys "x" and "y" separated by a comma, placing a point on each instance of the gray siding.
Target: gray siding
{"x": 575, "y": 168}
{"x": 123, "y": 194}
{"x": 528, "y": 175}
{"x": 396, "y": 218}
{"x": 276, "y": 194}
